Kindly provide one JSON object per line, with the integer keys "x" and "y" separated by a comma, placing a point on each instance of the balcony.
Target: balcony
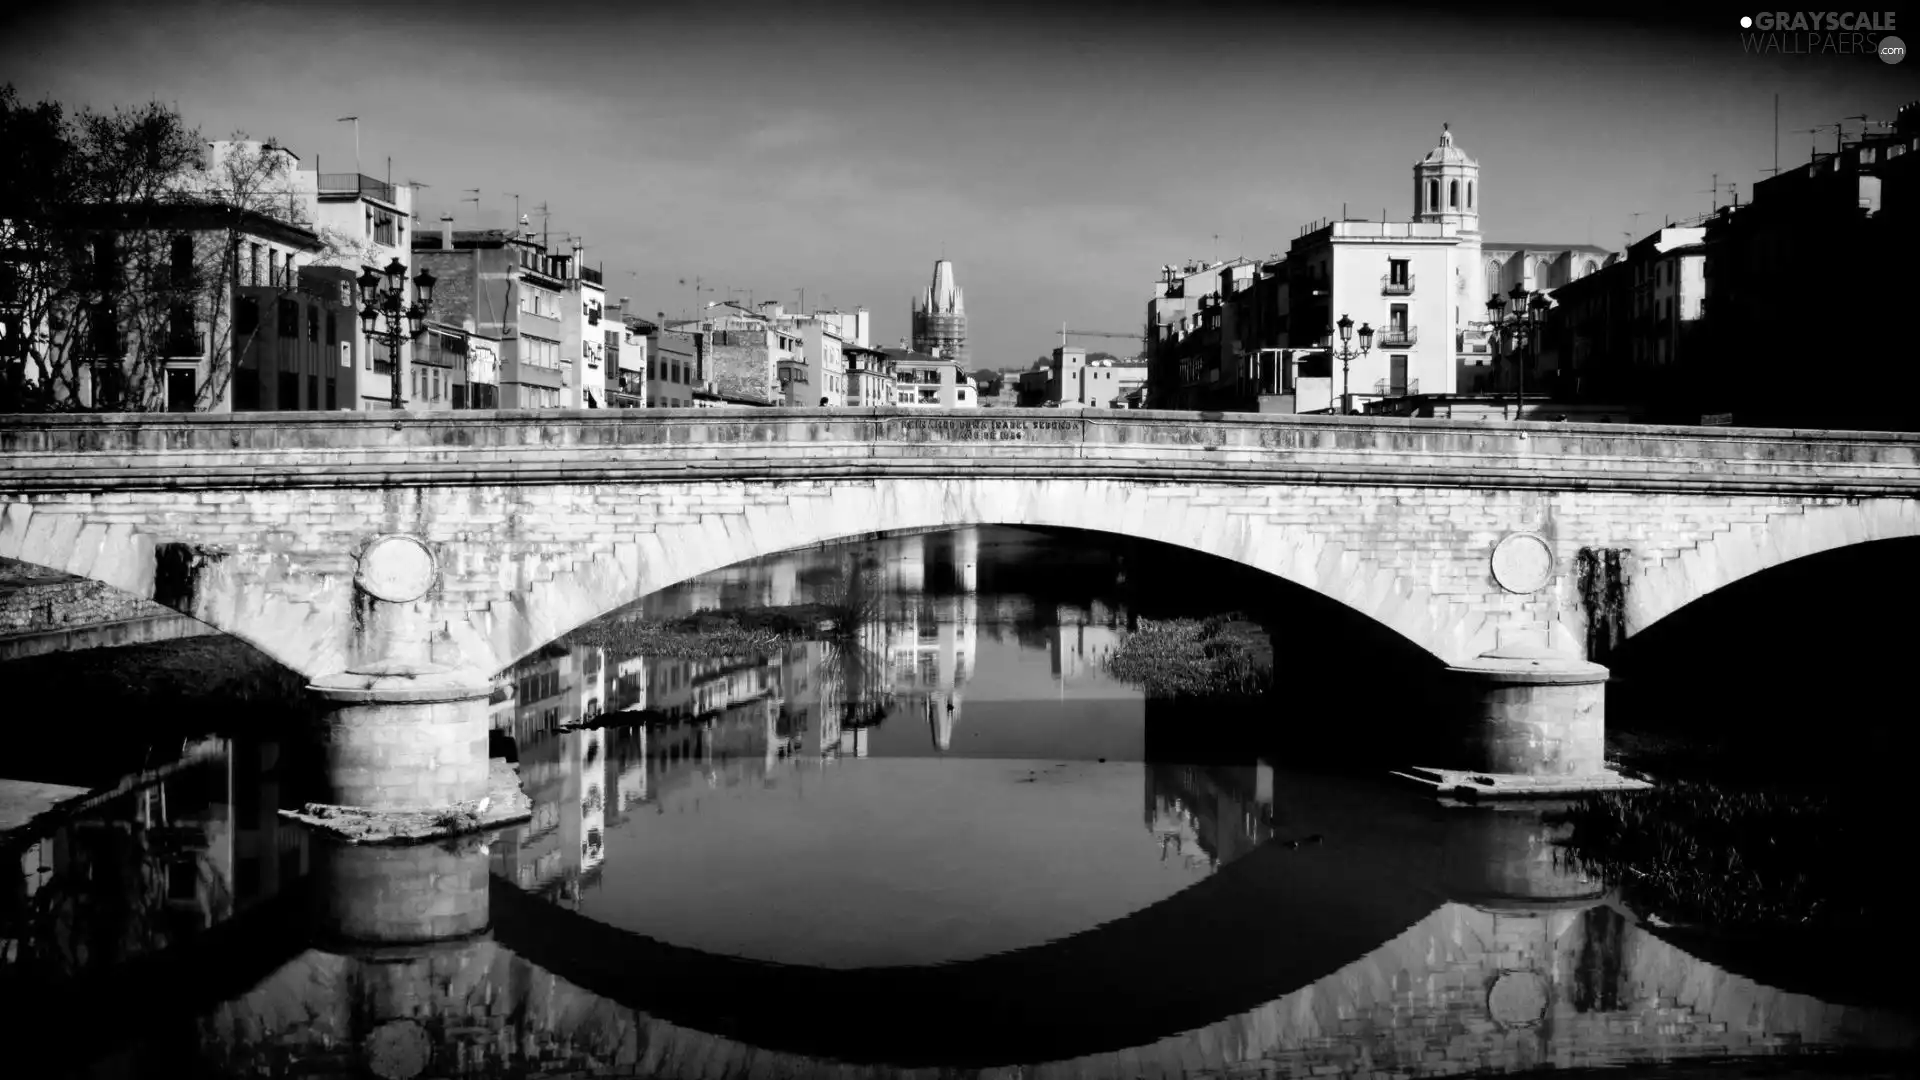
{"x": 347, "y": 183}
{"x": 184, "y": 344}
{"x": 1387, "y": 388}
{"x": 1401, "y": 337}
{"x": 1391, "y": 287}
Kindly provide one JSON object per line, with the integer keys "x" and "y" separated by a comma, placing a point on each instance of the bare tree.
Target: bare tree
{"x": 121, "y": 243}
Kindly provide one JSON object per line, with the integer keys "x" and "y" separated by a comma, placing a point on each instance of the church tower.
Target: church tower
{"x": 1446, "y": 186}
{"x": 1446, "y": 192}
{"x": 940, "y": 317}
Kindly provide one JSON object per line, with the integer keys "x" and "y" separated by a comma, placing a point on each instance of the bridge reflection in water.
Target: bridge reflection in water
{"x": 1407, "y": 939}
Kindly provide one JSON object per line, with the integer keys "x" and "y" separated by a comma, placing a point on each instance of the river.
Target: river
{"x": 951, "y": 840}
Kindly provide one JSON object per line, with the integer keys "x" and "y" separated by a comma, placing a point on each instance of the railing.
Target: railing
{"x": 184, "y": 343}
{"x": 1397, "y": 338}
{"x": 589, "y": 274}
{"x": 1387, "y": 388}
{"x": 356, "y": 184}
{"x": 1390, "y": 287}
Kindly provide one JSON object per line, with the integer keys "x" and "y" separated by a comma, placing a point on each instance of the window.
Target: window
{"x": 246, "y": 315}
{"x": 1397, "y": 319}
{"x": 273, "y": 268}
{"x": 287, "y": 315}
{"x": 1453, "y": 194}
{"x": 1469, "y": 194}
{"x": 313, "y": 391}
{"x": 333, "y": 396}
{"x": 539, "y": 352}
{"x": 181, "y": 261}
{"x": 313, "y": 325}
{"x": 1397, "y": 367}
{"x": 333, "y": 329}
{"x": 1433, "y": 195}
{"x": 180, "y": 390}
{"x": 253, "y": 266}
{"x": 1397, "y": 271}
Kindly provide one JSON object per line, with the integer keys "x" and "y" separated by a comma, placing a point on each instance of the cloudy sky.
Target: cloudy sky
{"x": 1058, "y": 154}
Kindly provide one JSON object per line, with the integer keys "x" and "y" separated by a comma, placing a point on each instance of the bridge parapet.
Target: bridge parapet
{"x": 362, "y": 449}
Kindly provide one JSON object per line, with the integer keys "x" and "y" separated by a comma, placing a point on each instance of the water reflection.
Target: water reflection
{"x": 157, "y": 876}
{"x": 950, "y": 828}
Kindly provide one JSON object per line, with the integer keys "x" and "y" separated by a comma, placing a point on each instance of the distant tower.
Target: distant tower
{"x": 1446, "y": 191}
{"x": 940, "y": 317}
{"x": 1446, "y": 186}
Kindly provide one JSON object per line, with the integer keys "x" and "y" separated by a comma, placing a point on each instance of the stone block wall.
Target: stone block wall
{"x": 742, "y": 372}
{"x": 51, "y": 606}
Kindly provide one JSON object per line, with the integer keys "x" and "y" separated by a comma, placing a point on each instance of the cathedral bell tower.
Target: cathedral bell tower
{"x": 1446, "y": 186}
{"x": 1446, "y": 191}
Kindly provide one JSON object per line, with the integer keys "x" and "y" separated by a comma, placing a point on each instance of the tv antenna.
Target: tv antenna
{"x": 475, "y": 200}
{"x": 516, "y": 207}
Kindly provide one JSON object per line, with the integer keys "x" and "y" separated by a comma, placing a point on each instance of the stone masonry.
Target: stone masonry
{"x": 542, "y": 521}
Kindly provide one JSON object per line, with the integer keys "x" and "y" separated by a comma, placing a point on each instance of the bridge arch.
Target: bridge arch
{"x": 1663, "y": 583}
{"x": 289, "y": 623}
{"x": 724, "y": 524}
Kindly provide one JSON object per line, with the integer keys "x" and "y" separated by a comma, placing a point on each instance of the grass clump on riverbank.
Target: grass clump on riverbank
{"x": 717, "y": 633}
{"x": 1222, "y": 656}
{"x": 1700, "y": 854}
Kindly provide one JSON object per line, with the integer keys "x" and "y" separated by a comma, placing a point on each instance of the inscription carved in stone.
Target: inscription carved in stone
{"x": 1522, "y": 563}
{"x": 984, "y": 430}
{"x": 397, "y": 569}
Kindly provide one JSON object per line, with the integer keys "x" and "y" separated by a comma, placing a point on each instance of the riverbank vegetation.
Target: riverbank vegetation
{"x": 718, "y": 633}
{"x": 1705, "y": 854}
{"x": 1221, "y": 656}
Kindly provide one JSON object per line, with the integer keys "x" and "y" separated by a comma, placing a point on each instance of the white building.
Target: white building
{"x": 1421, "y": 285}
{"x": 583, "y": 348}
{"x": 364, "y": 221}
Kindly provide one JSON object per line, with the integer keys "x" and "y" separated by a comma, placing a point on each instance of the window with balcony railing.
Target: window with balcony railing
{"x": 1397, "y": 337}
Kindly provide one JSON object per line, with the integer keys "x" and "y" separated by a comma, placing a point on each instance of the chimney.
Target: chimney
{"x": 446, "y": 232}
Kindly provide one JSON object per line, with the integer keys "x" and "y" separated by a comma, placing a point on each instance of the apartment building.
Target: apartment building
{"x": 505, "y": 285}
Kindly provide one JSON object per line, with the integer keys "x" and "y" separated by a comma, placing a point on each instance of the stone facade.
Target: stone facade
{"x": 539, "y": 524}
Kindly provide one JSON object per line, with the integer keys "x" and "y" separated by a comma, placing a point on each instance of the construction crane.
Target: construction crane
{"x": 1135, "y": 336}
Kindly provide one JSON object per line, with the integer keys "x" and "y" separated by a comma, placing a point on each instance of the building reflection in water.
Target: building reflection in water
{"x": 153, "y": 863}
{"x": 1519, "y": 964}
{"x": 648, "y": 726}
{"x": 402, "y": 978}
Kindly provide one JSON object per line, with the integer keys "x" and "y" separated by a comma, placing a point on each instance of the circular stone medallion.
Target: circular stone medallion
{"x": 1522, "y": 563}
{"x": 398, "y": 1050}
{"x": 1518, "y": 998}
{"x": 397, "y": 569}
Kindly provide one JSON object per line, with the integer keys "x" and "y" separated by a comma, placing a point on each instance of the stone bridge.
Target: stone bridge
{"x": 399, "y": 563}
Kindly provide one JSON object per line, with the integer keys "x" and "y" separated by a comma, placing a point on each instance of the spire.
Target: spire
{"x": 941, "y": 297}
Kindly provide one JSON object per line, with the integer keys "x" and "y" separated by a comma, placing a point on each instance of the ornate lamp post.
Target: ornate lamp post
{"x": 386, "y": 297}
{"x": 1346, "y": 358}
{"x": 1529, "y": 313}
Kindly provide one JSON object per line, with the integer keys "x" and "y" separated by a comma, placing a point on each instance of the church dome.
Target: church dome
{"x": 1446, "y": 153}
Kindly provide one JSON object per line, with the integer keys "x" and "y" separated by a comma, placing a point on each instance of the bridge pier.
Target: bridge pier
{"x": 1532, "y": 722}
{"x": 404, "y": 739}
{"x": 404, "y": 742}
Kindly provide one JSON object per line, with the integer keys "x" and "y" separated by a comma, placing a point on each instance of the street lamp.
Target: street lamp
{"x": 1346, "y": 358}
{"x": 1524, "y": 321}
{"x": 385, "y": 292}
